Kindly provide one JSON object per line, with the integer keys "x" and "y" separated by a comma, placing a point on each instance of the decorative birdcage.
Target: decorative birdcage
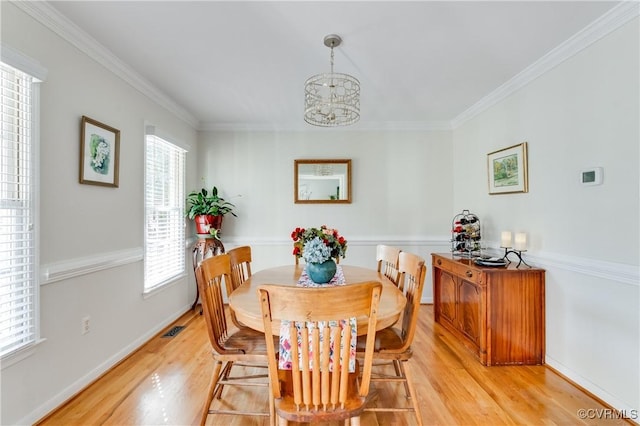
{"x": 465, "y": 235}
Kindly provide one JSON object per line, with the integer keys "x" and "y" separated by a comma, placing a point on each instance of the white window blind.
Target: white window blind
{"x": 164, "y": 212}
{"x": 18, "y": 285}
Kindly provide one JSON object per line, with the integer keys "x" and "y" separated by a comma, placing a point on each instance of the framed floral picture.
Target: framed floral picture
{"x": 507, "y": 170}
{"x": 99, "y": 153}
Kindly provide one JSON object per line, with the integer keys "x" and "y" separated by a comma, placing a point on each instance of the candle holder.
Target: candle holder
{"x": 509, "y": 250}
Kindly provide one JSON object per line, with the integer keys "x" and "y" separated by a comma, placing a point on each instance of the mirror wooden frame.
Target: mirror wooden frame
{"x": 298, "y": 165}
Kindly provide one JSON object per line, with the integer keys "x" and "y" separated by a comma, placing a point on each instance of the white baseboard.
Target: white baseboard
{"x": 80, "y": 384}
{"x": 614, "y": 272}
{"x": 593, "y": 388}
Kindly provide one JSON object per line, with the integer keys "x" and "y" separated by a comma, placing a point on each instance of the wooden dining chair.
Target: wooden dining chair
{"x": 311, "y": 391}
{"x": 393, "y": 344}
{"x": 230, "y": 347}
{"x": 240, "y": 260}
{"x": 387, "y": 259}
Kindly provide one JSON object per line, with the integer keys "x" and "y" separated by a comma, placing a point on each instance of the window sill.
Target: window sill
{"x": 162, "y": 286}
{"x": 22, "y": 353}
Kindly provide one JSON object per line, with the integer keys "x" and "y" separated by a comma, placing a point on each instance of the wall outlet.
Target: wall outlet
{"x": 85, "y": 323}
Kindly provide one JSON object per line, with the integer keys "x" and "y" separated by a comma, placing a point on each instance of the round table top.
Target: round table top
{"x": 245, "y": 303}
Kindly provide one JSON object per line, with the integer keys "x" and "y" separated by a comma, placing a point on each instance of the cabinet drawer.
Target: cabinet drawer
{"x": 458, "y": 269}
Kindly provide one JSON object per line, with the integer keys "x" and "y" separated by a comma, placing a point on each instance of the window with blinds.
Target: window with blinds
{"x": 164, "y": 258}
{"x": 18, "y": 284}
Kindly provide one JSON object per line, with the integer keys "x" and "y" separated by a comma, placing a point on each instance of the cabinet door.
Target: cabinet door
{"x": 469, "y": 311}
{"x": 448, "y": 297}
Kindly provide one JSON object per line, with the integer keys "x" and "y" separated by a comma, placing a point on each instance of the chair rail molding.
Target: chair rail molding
{"x": 613, "y": 271}
{"x": 71, "y": 268}
{"x": 352, "y": 241}
{"x": 617, "y": 272}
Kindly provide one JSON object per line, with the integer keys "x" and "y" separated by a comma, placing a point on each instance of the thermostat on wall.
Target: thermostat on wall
{"x": 592, "y": 176}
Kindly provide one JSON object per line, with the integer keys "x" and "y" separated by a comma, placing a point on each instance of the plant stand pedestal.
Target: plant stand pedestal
{"x": 205, "y": 247}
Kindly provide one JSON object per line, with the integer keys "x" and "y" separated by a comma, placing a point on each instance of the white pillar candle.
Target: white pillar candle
{"x": 505, "y": 239}
{"x": 521, "y": 241}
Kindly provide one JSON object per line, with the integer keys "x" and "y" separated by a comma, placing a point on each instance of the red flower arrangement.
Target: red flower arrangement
{"x": 330, "y": 237}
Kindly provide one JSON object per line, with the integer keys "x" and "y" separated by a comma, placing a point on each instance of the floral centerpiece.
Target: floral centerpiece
{"x": 319, "y": 247}
{"x": 323, "y": 244}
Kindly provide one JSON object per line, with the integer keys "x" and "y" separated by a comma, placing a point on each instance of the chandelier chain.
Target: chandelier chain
{"x": 331, "y": 58}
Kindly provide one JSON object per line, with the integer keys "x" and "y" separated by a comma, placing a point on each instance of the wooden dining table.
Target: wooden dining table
{"x": 245, "y": 303}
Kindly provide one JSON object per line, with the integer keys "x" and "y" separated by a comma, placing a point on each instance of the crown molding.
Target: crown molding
{"x": 59, "y": 24}
{"x": 251, "y": 127}
{"x": 48, "y": 16}
{"x": 22, "y": 62}
{"x": 404, "y": 126}
{"x": 607, "y": 23}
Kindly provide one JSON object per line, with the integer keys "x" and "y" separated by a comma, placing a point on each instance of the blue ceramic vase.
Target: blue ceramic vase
{"x": 321, "y": 273}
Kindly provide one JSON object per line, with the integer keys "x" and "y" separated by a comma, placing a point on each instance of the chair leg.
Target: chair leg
{"x": 224, "y": 375}
{"x": 396, "y": 367}
{"x": 272, "y": 406}
{"x": 399, "y": 367}
{"x": 403, "y": 374}
{"x": 354, "y": 421}
{"x": 212, "y": 387}
{"x": 282, "y": 421}
{"x": 412, "y": 391}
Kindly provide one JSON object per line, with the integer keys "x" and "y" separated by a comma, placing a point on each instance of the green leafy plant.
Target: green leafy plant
{"x": 204, "y": 203}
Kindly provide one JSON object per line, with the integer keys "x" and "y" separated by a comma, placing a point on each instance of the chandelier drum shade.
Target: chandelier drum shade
{"x": 331, "y": 99}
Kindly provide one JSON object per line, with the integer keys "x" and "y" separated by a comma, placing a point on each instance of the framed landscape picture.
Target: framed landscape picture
{"x": 507, "y": 170}
{"x": 99, "y": 153}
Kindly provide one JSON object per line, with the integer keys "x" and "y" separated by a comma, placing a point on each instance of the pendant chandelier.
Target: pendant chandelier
{"x": 331, "y": 99}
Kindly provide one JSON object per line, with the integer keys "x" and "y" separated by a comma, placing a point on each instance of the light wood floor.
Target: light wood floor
{"x": 164, "y": 383}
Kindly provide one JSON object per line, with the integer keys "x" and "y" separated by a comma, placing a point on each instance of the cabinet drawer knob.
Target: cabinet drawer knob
{"x": 469, "y": 274}
{"x": 439, "y": 262}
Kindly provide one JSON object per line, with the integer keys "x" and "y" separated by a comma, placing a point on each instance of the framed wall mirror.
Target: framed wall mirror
{"x": 322, "y": 181}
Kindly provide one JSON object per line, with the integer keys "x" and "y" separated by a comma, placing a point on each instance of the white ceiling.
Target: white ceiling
{"x": 239, "y": 63}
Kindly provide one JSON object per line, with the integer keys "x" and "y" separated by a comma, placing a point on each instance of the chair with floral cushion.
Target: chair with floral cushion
{"x": 316, "y": 384}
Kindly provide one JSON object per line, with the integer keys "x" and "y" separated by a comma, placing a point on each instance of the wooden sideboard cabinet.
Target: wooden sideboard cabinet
{"x": 496, "y": 312}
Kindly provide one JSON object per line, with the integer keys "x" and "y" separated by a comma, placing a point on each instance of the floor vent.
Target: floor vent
{"x": 173, "y": 331}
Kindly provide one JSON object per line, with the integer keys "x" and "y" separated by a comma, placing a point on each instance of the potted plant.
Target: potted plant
{"x": 208, "y": 209}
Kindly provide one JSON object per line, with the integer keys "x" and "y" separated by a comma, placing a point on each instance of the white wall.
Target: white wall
{"x": 91, "y": 237}
{"x": 406, "y": 189}
{"x": 581, "y": 114}
{"x": 401, "y": 184}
